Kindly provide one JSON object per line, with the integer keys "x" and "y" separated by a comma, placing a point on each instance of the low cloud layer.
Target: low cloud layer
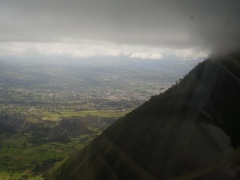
{"x": 85, "y": 50}
{"x": 106, "y": 27}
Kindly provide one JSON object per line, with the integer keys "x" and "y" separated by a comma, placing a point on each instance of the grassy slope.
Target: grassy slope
{"x": 17, "y": 158}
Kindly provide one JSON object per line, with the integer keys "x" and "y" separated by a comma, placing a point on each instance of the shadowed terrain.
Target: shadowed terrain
{"x": 192, "y": 125}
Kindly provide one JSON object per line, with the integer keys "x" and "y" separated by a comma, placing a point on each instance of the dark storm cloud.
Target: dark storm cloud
{"x": 166, "y": 23}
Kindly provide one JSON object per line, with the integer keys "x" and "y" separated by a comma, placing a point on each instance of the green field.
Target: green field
{"x": 104, "y": 114}
{"x": 50, "y": 116}
{"x": 20, "y": 158}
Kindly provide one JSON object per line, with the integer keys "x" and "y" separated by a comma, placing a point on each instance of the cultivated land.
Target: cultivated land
{"x": 49, "y": 111}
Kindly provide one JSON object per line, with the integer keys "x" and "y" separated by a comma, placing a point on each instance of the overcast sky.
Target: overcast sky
{"x": 134, "y": 28}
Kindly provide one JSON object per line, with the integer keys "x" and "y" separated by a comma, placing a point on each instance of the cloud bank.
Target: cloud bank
{"x": 136, "y": 28}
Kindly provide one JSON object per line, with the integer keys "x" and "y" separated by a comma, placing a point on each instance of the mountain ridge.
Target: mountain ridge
{"x": 162, "y": 138}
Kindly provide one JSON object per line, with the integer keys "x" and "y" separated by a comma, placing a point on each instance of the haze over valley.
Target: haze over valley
{"x": 50, "y": 110}
{"x": 120, "y": 89}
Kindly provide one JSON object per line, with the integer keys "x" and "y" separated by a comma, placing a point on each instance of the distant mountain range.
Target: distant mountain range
{"x": 190, "y": 127}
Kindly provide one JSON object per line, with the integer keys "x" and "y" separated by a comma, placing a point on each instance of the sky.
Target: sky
{"x": 144, "y": 29}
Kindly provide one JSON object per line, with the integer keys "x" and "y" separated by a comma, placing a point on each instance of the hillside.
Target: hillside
{"x": 193, "y": 124}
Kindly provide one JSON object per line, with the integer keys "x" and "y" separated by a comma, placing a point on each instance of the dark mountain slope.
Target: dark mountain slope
{"x": 188, "y": 127}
